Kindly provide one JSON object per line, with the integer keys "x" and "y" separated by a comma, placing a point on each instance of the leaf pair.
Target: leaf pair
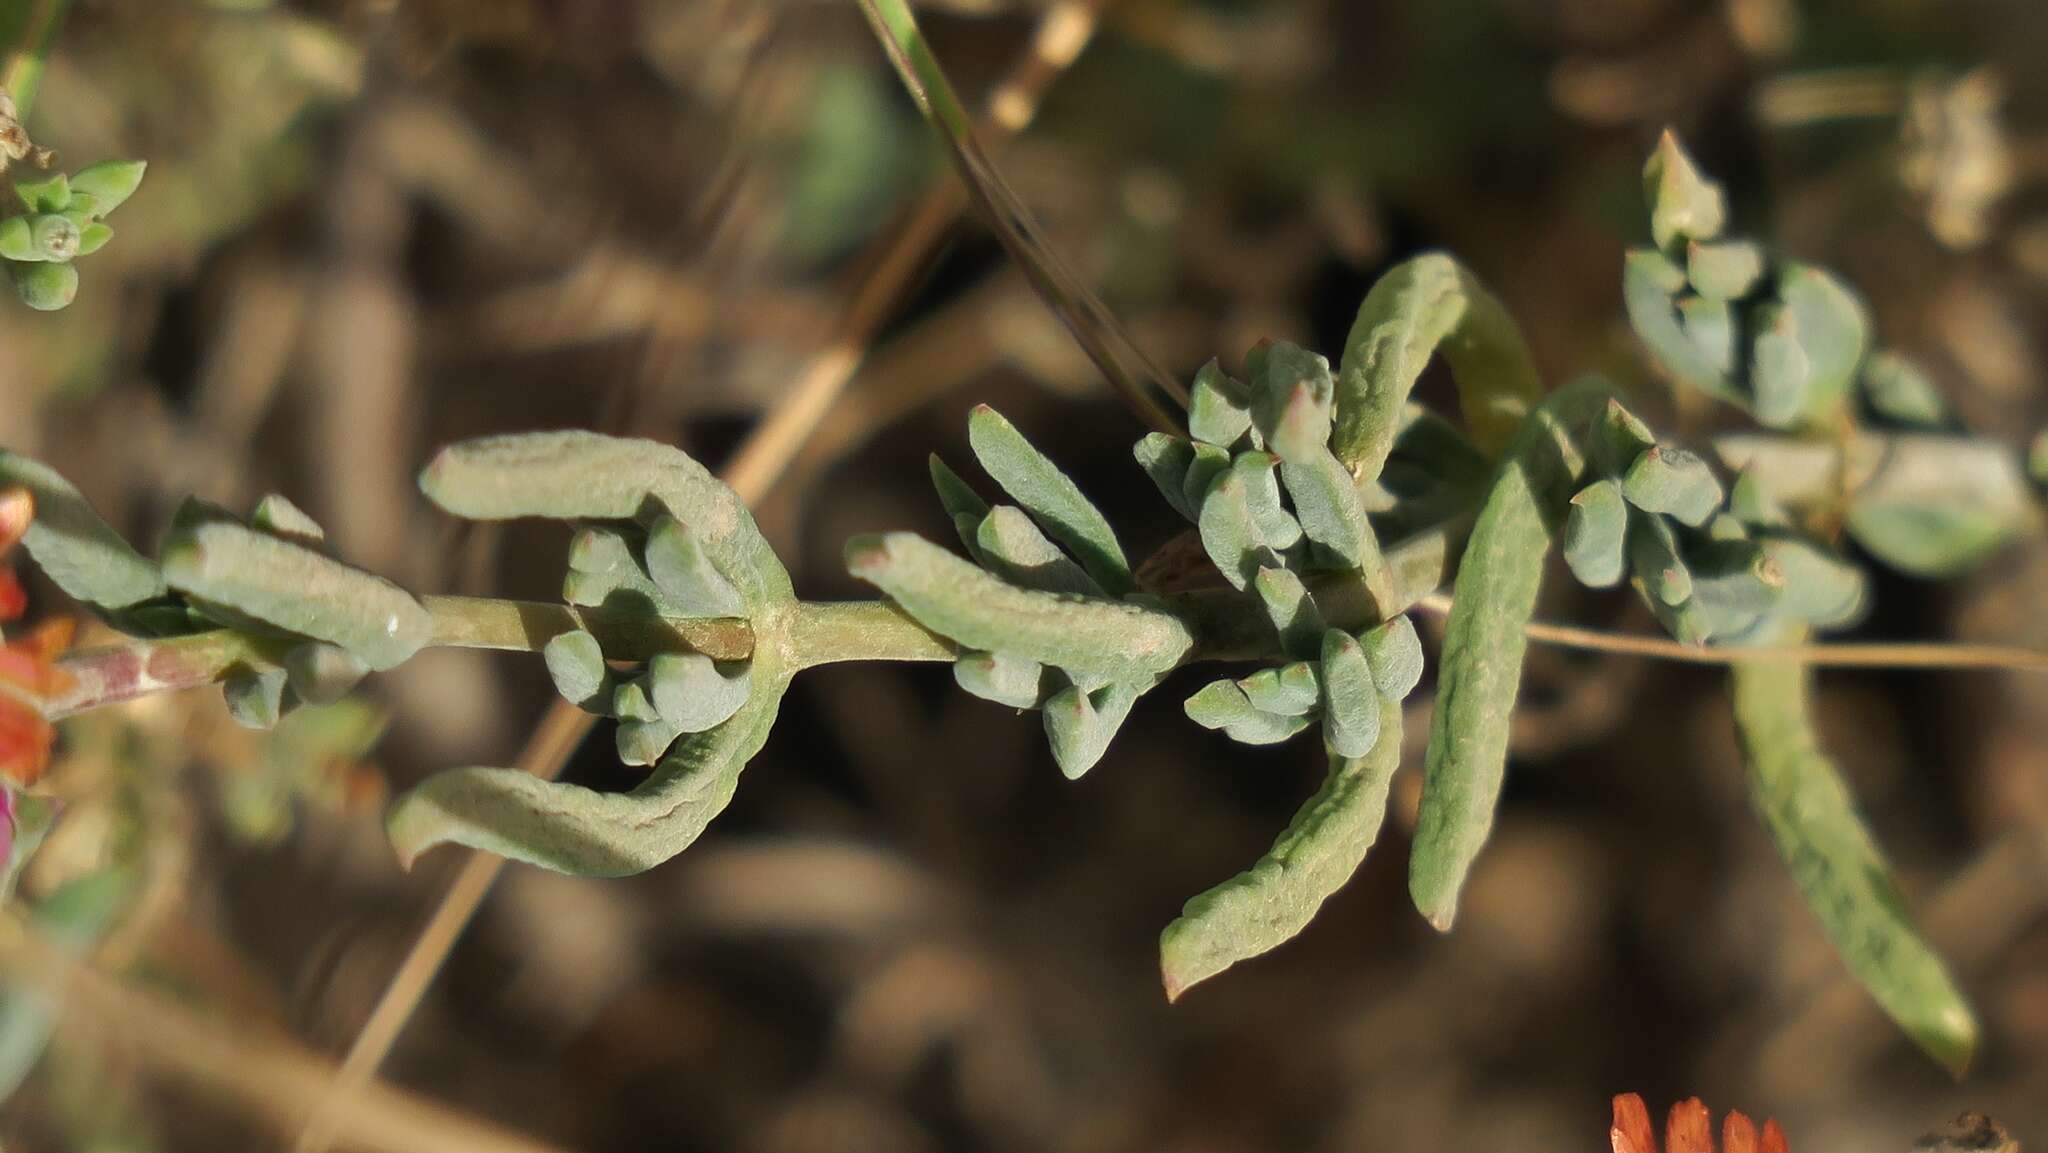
{"x": 695, "y": 547}
{"x": 1776, "y": 337}
{"x": 65, "y": 220}
{"x": 1341, "y": 683}
{"x": 1711, "y": 570}
{"x": 1259, "y": 479}
{"x": 261, "y": 577}
{"x": 1050, "y": 619}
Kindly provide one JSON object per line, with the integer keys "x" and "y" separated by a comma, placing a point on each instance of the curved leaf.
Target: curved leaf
{"x": 1429, "y": 304}
{"x": 1836, "y": 863}
{"x": 1268, "y": 904}
{"x": 586, "y": 476}
{"x": 577, "y": 475}
{"x": 572, "y": 829}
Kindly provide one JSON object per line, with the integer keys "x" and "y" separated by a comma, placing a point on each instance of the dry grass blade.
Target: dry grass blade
{"x": 270, "y": 1078}
{"x": 1135, "y": 375}
{"x": 759, "y": 461}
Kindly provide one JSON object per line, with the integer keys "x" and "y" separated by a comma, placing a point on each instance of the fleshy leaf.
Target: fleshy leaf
{"x": 1654, "y": 560}
{"x": 1833, "y": 329}
{"x": 110, "y": 183}
{"x": 1219, "y": 411}
{"x": 1015, "y": 548}
{"x": 1617, "y": 438}
{"x": 81, "y": 553}
{"x": 1208, "y": 463}
{"x": 297, "y": 590}
{"x": 1079, "y": 725}
{"x": 1683, "y": 204}
{"x": 1937, "y": 506}
{"x": 1596, "y": 535}
{"x": 586, "y": 476}
{"x": 278, "y": 516}
{"x": 1003, "y": 678}
{"x": 1268, "y": 904}
{"x": 690, "y": 584}
{"x": 575, "y": 662}
{"x": 1838, "y": 867}
{"x": 255, "y": 697}
{"x": 575, "y": 475}
{"x": 1116, "y": 642}
{"x": 1426, "y": 305}
{"x": 1166, "y": 460}
{"x": 1260, "y": 473}
{"x": 1291, "y": 399}
{"x": 1290, "y": 690}
{"x": 956, "y": 496}
{"x": 1647, "y": 278}
{"x": 694, "y": 693}
{"x": 571, "y": 829}
{"x": 1224, "y": 705}
{"x": 1674, "y": 482}
{"x": 1054, "y": 501}
{"x": 322, "y": 674}
{"x": 1231, "y": 533}
{"x": 46, "y": 287}
{"x": 1331, "y": 511}
{"x": 1293, "y": 612}
{"x": 1481, "y": 669}
{"x": 1726, "y": 270}
{"x": 1901, "y": 391}
{"x": 1711, "y": 326}
{"x": 1395, "y": 652}
{"x": 1351, "y": 700}
{"x": 1821, "y": 588}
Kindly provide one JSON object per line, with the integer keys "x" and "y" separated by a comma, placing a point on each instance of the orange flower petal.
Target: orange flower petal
{"x": 25, "y": 741}
{"x": 17, "y": 508}
{"x": 1690, "y": 1128}
{"x": 1774, "y": 1138}
{"x": 13, "y": 598}
{"x": 1738, "y": 1133}
{"x": 1631, "y": 1132}
{"x": 47, "y": 640}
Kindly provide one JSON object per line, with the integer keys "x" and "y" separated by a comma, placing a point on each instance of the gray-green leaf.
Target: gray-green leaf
{"x": 81, "y": 553}
{"x": 1481, "y": 669}
{"x": 1838, "y": 867}
{"x": 297, "y": 590}
{"x": 1268, "y": 904}
{"x": 1050, "y": 497}
{"x": 1429, "y": 304}
{"x": 1108, "y": 640}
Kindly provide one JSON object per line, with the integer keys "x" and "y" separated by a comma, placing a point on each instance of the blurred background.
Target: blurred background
{"x": 373, "y": 226}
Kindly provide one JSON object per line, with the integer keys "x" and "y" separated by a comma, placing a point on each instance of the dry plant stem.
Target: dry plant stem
{"x": 269, "y": 1078}
{"x": 760, "y": 460}
{"x": 1866, "y": 655}
{"x": 1134, "y": 374}
{"x": 1062, "y": 34}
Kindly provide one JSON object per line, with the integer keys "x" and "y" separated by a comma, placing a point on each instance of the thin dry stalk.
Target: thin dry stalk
{"x": 759, "y": 461}
{"x": 1871, "y": 655}
{"x": 269, "y": 1077}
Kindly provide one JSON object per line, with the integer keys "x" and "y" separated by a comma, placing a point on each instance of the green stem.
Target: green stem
{"x": 25, "y": 70}
{"x": 1228, "y": 625}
